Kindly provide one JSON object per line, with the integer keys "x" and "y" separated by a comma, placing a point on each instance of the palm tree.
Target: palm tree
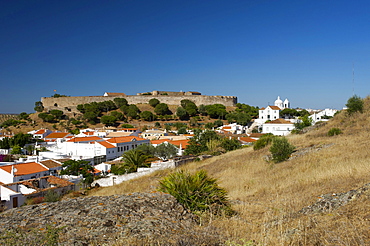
{"x": 134, "y": 158}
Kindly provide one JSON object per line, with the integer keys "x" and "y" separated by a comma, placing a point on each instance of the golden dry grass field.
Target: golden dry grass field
{"x": 267, "y": 197}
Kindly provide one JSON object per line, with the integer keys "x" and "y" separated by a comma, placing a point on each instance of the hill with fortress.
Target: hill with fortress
{"x": 168, "y": 97}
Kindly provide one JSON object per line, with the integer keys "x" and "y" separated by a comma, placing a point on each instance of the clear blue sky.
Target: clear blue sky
{"x": 255, "y": 50}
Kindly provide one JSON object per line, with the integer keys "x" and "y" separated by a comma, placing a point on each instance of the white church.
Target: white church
{"x": 272, "y": 112}
{"x": 275, "y": 124}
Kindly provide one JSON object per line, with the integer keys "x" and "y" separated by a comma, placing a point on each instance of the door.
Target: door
{"x": 15, "y": 202}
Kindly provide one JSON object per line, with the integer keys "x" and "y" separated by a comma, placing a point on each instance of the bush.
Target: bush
{"x": 334, "y": 131}
{"x": 51, "y": 196}
{"x": 281, "y": 149}
{"x": 355, "y": 104}
{"x": 197, "y": 192}
{"x": 263, "y": 141}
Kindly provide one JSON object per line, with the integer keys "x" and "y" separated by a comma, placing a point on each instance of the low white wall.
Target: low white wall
{"x": 117, "y": 179}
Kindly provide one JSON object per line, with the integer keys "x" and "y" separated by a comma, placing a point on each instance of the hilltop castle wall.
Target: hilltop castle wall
{"x": 70, "y": 103}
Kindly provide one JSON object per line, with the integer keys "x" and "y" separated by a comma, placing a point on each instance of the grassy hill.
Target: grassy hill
{"x": 268, "y": 197}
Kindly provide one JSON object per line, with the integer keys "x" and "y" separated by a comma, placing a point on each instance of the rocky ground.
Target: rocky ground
{"x": 104, "y": 221}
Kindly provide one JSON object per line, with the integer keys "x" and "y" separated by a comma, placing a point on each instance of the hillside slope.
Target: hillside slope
{"x": 269, "y": 197}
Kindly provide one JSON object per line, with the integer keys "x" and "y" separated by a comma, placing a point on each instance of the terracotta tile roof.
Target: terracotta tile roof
{"x": 50, "y": 164}
{"x": 272, "y": 107}
{"x": 107, "y": 145}
{"x": 247, "y": 139}
{"x": 58, "y": 181}
{"x": 89, "y": 133}
{"x": 118, "y": 134}
{"x": 226, "y": 127}
{"x": 25, "y": 168}
{"x": 159, "y": 141}
{"x": 57, "y": 135}
{"x": 85, "y": 139}
{"x": 124, "y": 139}
{"x": 42, "y": 131}
{"x": 279, "y": 121}
{"x": 184, "y": 143}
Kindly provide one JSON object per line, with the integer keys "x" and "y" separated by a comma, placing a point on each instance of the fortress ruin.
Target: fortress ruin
{"x": 168, "y": 97}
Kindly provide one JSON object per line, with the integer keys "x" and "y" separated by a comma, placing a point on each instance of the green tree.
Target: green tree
{"x": 218, "y": 123}
{"x": 147, "y": 116}
{"x": 355, "y": 104}
{"x": 230, "y": 144}
{"x": 281, "y": 149}
{"x": 198, "y": 143}
{"x": 154, "y": 102}
{"x": 216, "y": 111}
{"x": 16, "y": 149}
{"x": 134, "y": 158}
{"x": 162, "y": 109}
{"x": 202, "y": 110}
{"x": 39, "y": 107}
{"x": 133, "y": 111}
{"x": 108, "y": 120}
{"x": 182, "y": 114}
{"x": 190, "y": 107}
{"x": 119, "y": 116}
{"x": 263, "y": 141}
{"x": 120, "y": 102}
{"x": 79, "y": 167}
{"x": 165, "y": 151}
{"x": 209, "y": 125}
{"x": 24, "y": 116}
{"x": 20, "y": 139}
{"x": 240, "y": 118}
{"x": 58, "y": 114}
{"x": 182, "y": 130}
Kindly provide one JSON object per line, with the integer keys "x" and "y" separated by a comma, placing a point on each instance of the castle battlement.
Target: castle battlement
{"x": 170, "y": 98}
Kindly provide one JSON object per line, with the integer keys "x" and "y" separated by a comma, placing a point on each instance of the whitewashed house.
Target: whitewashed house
{"x": 323, "y": 115}
{"x": 22, "y": 171}
{"x": 278, "y": 127}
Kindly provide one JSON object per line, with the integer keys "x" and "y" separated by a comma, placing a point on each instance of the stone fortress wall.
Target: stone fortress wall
{"x": 170, "y": 98}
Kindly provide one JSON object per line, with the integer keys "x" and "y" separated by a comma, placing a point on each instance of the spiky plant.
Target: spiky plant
{"x": 197, "y": 191}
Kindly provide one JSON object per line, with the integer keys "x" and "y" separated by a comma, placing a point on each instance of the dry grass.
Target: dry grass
{"x": 268, "y": 196}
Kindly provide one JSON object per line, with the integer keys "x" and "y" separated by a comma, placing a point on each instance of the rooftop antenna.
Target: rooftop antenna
{"x": 353, "y": 79}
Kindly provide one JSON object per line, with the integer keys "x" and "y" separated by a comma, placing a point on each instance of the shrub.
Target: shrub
{"x": 355, "y": 104}
{"x": 334, "y": 131}
{"x": 281, "y": 149}
{"x": 51, "y": 196}
{"x": 263, "y": 141}
{"x": 197, "y": 192}
{"x": 35, "y": 200}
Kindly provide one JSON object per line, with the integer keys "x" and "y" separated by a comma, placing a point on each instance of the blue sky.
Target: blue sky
{"x": 255, "y": 50}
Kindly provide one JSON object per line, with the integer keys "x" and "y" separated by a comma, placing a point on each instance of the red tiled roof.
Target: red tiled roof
{"x": 159, "y": 141}
{"x": 226, "y": 127}
{"x": 57, "y": 135}
{"x": 85, "y": 139}
{"x": 25, "y": 168}
{"x": 279, "y": 121}
{"x": 184, "y": 143}
{"x": 272, "y": 107}
{"x": 42, "y": 131}
{"x": 50, "y": 163}
{"x": 89, "y": 133}
{"x": 247, "y": 139}
{"x": 124, "y": 139}
{"x": 107, "y": 145}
